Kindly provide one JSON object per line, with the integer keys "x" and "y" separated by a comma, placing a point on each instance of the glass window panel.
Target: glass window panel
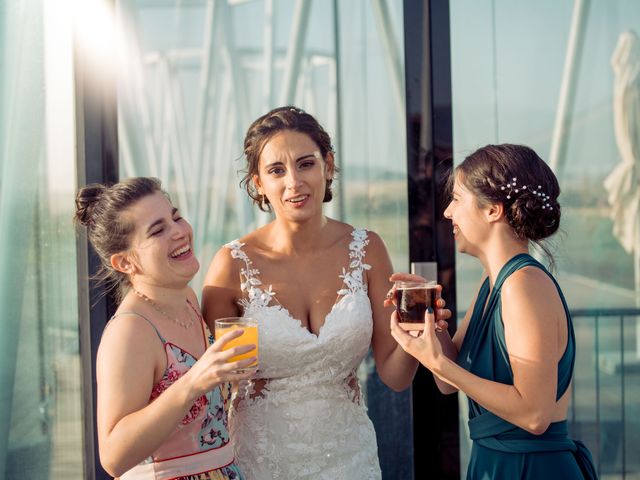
{"x": 40, "y": 403}
{"x": 508, "y": 68}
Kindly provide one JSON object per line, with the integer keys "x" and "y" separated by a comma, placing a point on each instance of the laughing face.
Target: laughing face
{"x": 293, "y": 175}
{"x": 161, "y": 251}
{"x": 468, "y": 219}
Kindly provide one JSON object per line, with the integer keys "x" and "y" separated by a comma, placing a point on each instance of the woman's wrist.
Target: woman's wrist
{"x": 440, "y": 364}
{"x": 405, "y": 355}
{"x": 188, "y": 393}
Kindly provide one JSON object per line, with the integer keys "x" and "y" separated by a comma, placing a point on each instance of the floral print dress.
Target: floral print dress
{"x": 199, "y": 448}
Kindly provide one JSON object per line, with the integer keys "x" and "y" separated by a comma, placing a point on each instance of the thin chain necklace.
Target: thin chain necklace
{"x": 176, "y": 320}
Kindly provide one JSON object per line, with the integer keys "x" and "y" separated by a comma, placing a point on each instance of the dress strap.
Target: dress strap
{"x": 145, "y": 318}
{"x": 353, "y": 276}
{"x": 250, "y": 274}
{"x": 249, "y": 279}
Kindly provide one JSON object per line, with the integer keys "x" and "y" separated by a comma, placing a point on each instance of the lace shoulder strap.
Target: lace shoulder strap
{"x": 249, "y": 278}
{"x": 353, "y": 276}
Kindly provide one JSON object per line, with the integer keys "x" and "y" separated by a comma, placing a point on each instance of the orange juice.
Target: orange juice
{"x": 249, "y": 337}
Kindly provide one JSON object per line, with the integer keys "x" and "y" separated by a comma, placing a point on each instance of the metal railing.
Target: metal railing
{"x": 606, "y": 369}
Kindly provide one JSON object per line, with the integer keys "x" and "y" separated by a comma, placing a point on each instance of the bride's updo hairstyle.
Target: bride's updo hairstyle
{"x": 264, "y": 128}
{"x": 517, "y": 177}
{"x": 101, "y": 209}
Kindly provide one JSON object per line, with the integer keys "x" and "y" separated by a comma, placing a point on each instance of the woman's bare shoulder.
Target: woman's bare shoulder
{"x": 375, "y": 240}
{"x": 128, "y": 334}
{"x": 223, "y": 268}
{"x": 530, "y": 291}
{"x": 529, "y": 280}
{"x": 376, "y": 248}
{"x": 256, "y": 237}
{"x": 344, "y": 231}
{"x": 339, "y": 230}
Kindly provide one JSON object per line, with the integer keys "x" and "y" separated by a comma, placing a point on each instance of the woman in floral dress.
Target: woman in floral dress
{"x": 161, "y": 411}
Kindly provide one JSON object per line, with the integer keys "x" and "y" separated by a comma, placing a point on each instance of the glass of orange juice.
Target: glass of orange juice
{"x": 249, "y": 337}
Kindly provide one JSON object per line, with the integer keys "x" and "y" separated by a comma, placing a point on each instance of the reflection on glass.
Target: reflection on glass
{"x": 40, "y": 403}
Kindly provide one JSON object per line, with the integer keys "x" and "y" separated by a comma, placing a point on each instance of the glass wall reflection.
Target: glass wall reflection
{"x": 195, "y": 74}
{"x": 517, "y": 79}
{"x": 40, "y": 409}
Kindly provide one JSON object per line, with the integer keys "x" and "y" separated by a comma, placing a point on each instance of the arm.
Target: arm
{"x": 532, "y": 313}
{"x": 221, "y": 288}
{"x": 450, "y": 350}
{"x": 395, "y": 367}
{"x": 450, "y": 346}
{"x": 129, "y": 427}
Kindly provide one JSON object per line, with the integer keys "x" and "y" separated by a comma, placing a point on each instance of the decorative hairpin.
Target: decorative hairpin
{"x": 299, "y": 111}
{"x": 513, "y": 188}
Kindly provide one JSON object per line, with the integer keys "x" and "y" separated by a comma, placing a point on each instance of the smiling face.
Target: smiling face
{"x": 293, "y": 175}
{"x": 470, "y": 225}
{"x": 161, "y": 249}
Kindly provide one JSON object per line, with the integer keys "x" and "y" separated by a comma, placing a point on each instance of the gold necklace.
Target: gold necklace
{"x": 157, "y": 308}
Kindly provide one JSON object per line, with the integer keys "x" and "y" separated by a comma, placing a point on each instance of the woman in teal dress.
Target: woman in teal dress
{"x": 514, "y": 352}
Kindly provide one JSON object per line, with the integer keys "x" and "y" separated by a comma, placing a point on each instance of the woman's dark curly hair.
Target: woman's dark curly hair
{"x": 517, "y": 177}
{"x": 264, "y": 128}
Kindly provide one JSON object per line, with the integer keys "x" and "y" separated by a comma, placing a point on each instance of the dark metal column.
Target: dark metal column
{"x": 429, "y": 160}
{"x": 97, "y": 161}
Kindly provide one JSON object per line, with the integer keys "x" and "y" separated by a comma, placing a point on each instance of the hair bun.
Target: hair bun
{"x": 86, "y": 200}
{"x": 534, "y": 218}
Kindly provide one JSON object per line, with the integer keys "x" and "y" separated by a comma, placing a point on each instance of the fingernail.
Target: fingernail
{"x": 429, "y": 310}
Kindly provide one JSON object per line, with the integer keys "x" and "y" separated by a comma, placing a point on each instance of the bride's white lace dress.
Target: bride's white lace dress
{"x": 304, "y": 417}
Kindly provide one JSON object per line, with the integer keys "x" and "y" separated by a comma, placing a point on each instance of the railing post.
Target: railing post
{"x": 622, "y": 400}
{"x": 597, "y": 366}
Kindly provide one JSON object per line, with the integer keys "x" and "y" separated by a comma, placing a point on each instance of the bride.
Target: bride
{"x": 317, "y": 287}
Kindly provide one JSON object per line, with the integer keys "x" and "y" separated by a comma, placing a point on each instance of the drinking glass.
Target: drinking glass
{"x": 412, "y": 301}
{"x": 249, "y": 337}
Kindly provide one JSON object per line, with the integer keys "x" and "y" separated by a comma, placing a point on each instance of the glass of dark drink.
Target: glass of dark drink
{"x": 412, "y": 300}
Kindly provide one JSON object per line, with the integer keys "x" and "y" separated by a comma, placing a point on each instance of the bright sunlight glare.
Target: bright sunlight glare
{"x": 95, "y": 28}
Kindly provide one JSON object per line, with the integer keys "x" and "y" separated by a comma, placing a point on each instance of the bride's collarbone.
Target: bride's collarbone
{"x": 308, "y": 284}
{"x": 318, "y": 263}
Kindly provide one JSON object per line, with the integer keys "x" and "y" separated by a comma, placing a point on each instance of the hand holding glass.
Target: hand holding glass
{"x": 249, "y": 337}
{"x": 412, "y": 300}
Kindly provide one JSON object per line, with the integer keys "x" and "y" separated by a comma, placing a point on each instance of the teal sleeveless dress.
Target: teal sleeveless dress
{"x": 500, "y": 449}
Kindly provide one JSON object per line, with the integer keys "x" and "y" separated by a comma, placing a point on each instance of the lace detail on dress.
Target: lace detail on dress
{"x": 249, "y": 281}
{"x": 352, "y": 387}
{"x": 304, "y": 417}
{"x": 353, "y": 278}
{"x": 256, "y": 297}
